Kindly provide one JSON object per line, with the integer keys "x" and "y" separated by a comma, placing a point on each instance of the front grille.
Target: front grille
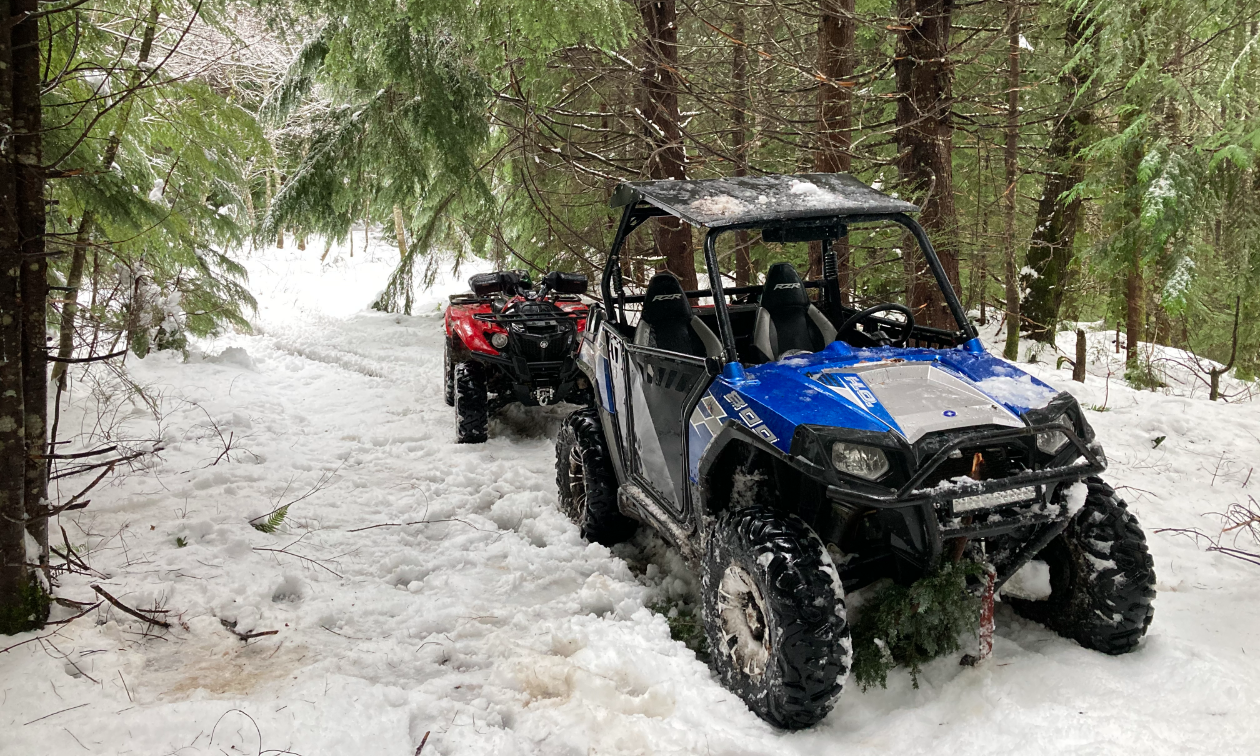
{"x": 981, "y": 462}
{"x": 532, "y": 350}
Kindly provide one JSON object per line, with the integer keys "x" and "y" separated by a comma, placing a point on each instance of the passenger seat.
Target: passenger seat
{"x": 668, "y": 323}
{"x": 786, "y": 320}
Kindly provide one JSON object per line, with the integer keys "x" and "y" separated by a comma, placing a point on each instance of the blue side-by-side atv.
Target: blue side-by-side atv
{"x": 794, "y": 447}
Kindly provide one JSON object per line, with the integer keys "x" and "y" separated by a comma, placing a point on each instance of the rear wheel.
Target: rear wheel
{"x": 774, "y": 616}
{"x": 586, "y": 481}
{"x": 471, "y": 415}
{"x": 1102, "y": 577}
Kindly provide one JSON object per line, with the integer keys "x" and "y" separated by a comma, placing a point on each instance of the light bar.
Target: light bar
{"x": 996, "y": 499}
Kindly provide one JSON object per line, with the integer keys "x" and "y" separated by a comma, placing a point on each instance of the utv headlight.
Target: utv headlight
{"x": 863, "y": 461}
{"x": 499, "y": 340}
{"x": 1051, "y": 442}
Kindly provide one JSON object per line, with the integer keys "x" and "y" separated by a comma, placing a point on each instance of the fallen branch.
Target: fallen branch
{"x": 78, "y": 455}
{"x": 75, "y": 617}
{"x": 79, "y": 360}
{"x": 133, "y": 612}
{"x": 108, "y": 463}
{"x": 231, "y": 628}
{"x": 74, "y": 503}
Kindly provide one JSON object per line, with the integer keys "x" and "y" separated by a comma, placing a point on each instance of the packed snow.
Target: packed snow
{"x": 423, "y": 589}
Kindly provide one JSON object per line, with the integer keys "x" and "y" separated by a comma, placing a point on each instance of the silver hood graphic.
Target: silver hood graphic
{"x": 922, "y": 398}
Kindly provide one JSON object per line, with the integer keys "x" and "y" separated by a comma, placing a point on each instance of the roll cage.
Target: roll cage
{"x": 767, "y": 202}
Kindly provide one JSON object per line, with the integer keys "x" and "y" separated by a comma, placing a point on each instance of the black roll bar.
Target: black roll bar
{"x": 633, "y": 216}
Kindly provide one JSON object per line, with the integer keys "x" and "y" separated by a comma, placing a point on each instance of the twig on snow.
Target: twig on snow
{"x": 419, "y": 522}
{"x": 133, "y": 612}
{"x": 55, "y": 713}
{"x": 299, "y": 556}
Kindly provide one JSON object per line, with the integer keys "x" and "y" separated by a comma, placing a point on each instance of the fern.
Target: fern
{"x": 270, "y": 522}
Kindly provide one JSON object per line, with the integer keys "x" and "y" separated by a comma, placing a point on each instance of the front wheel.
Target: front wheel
{"x": 586, "y": 481}
{"x": 774, "y": 616}
{"x": 1102, "y": 577}
{"x": 448, "y": 375}
{"x": 471, "y": 412}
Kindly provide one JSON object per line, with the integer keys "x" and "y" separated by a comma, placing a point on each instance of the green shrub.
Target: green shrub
{"x": 910, "y": 626}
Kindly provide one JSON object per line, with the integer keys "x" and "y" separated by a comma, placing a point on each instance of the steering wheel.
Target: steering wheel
{"x": 879, "y": 336}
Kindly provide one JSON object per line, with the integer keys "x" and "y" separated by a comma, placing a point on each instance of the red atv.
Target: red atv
{"x": 508, "y": 341}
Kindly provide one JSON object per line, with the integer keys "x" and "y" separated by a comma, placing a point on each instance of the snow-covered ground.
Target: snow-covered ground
{"x": 421, "y": 587}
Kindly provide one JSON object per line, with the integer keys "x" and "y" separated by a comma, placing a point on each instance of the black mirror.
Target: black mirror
{"x": 565, "y": 283}
{"x": 804, "y": 232}
{"x": 485, "y": 284}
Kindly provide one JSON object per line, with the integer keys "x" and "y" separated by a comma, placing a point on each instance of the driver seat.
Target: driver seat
{"x": 668, "y": 323}
{"x": 786, "y": 320}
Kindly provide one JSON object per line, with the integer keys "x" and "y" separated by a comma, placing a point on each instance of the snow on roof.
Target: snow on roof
{"x": 752, "y": 199}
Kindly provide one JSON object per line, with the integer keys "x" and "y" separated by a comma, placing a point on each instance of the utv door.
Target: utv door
{"x": 664, "y": 387}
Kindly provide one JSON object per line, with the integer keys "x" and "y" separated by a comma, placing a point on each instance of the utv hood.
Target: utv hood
{"x": 910, "y": 391}
{"x": 917, "y": 397}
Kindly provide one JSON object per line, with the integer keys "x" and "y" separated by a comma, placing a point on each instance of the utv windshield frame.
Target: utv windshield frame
{"x": 850, "y": 202}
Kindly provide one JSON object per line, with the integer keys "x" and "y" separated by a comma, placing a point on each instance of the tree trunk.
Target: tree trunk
{"x": 925, "y": 144}
{"x": 739, "y": 138}
{"x": 16, "y": 578}
{"x": 400, "y": 232}
{"x": 27, "y": 130}
{"x": 1011, "y": 350}
{"x": 1078, "y": 368}
{"x": 1135, "y": 310}
{"x": 836, "y": 29}
{"x": 668, "y": 157}
{"x": 1054, "y": 235}
{"x": 87, "y": 223}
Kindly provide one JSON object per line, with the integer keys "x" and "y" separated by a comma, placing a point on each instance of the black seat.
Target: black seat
{"x": 667, "y": 322}
{"x": 786, "y": 320}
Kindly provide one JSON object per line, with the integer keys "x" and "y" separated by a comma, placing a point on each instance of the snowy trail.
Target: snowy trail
{"x": 493, "y": 627}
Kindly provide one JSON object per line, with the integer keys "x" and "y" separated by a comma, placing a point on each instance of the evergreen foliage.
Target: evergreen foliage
{"x": 499, "y": 128}
{"x": 271, "y": 522}
{"x": 29, "y": 612}
{"x": 910, "y": 626}
{"x": 170, "y": 209}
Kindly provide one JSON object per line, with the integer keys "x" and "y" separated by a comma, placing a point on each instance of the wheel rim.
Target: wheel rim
{"x": 577, "y": 481}
{"x": 742, "y": 611}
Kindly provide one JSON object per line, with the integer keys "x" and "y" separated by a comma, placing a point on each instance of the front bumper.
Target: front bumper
{"x": 916, "y": 521}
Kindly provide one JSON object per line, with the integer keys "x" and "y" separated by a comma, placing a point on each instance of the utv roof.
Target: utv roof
{"x": 749, "y": 200}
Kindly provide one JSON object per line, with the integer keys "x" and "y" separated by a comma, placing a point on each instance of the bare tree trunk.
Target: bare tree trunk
{"x": 1078, "y": 368}
{"x": 925, "y": 142}
{"x": 400, "y": 232}
{"x": 1049, "y": 255}
{"x": 17, "y": 582}
{"x": 27, "y": 129}
{"x": 1011, "y": 350}
{"x": 668, "y": 158}
{"x": 739, "y": 138}
{"x": 836, "y": 29}
{"x": 87, "y": 223}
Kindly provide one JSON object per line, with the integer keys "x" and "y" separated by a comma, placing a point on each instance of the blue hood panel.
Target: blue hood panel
{"x": 816, "y": 389}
